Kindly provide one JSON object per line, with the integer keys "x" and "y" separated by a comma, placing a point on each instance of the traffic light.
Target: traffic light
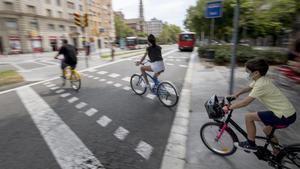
{"x": 77, "y": 19}
{"x": 85, "y": 20}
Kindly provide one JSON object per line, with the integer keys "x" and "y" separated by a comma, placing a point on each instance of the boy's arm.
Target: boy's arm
{"x": 242, "y": 103}
{"x": 242, "y": 91}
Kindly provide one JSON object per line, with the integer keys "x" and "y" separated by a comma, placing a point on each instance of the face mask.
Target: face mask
{"x": 249, "y": 76}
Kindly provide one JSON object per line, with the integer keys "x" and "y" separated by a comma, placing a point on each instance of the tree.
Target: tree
{"x": 258, "y": 18}
{"x": 169, "y": 33}
{"x": 122, "y": 30}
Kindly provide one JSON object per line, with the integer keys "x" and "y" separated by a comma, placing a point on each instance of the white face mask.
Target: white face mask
{"x": 248, "y": 76}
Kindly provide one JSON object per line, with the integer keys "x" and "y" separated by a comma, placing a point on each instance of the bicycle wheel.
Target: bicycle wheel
{"x": 138, "y": 84}
{"x": 224, "y": 146}
{"x": 167, "y": 94}
{"x": 75, "y": 80}
{"x": 289, "y": 160}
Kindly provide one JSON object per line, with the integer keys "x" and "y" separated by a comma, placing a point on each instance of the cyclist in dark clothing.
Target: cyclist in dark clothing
{"x": 70, "y": 56}
{"x": 156, "y": 61}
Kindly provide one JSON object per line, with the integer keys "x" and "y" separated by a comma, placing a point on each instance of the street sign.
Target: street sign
{"x": 213, "y": 9}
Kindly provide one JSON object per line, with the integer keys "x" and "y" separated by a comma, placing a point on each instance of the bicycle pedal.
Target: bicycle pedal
{"x": 247, "y": 151}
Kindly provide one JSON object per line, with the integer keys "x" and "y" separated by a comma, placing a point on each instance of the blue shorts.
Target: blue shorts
{"x": 270, "y": 119}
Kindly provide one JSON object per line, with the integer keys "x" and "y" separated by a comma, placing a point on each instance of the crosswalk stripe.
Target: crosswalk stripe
{"x": 104, "y": 121}
{"x": 126, "y": 79}
{"x": 114, "y": 75}
{"x": 91, "y": 112}
{"x": 60, "y": 91}
{"x": 117, "y": 85}
{"x": 109, "y": 82}
{"x": 65, "y": 95}
{"x": 126, "y": 88}
{"x": 73, "y": 99}
{"x": 144, "y": 149}
{"x": 102, "y": 72}
{"x": 67, "y": 148}
{"x": 81, "y": 105}
{"x": 151, "y": 96}
{"x": 102, "y": 80}
{"x": 51, "y": 85}
{"x": 54, "y": 88}
{"x": 121, "y": 133}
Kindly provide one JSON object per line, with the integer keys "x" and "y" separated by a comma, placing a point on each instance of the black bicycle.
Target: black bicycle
{"x": 218, "y": 137}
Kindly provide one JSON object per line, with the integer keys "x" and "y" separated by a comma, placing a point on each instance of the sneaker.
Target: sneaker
{"x": 245, "y": 146}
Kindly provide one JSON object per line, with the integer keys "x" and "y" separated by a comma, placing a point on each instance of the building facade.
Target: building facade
{"x": 154, "y": 26}
{"x": 40, "y": 25}
{"x": 101, "y": 28}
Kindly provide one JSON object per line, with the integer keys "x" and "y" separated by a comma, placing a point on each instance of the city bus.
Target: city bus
{"x": 186, "y": 41}
{"x": 133, "y": 43}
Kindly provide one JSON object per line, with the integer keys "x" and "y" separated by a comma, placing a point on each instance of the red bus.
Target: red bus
{"x": 186, "y": 41}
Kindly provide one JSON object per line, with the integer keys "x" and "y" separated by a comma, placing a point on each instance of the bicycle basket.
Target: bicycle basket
{"x": 214, "y": 107}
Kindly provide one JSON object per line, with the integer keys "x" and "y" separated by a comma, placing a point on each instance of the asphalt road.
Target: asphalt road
{"x": 104, "y": 125}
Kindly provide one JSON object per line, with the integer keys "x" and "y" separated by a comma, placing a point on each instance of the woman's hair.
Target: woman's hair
{"x": 152, "y": 39}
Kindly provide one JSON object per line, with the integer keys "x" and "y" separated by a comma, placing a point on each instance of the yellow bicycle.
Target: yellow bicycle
{"x": 73, "y": 76}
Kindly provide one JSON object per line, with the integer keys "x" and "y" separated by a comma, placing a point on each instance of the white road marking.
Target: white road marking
{"x": 109, "y": 82}
{"x": 96, "y": 78}
{"x": 127, "y": 79}
{"x": 73, "y": 99}
{"x": 65, "y": 95}
{"x": 47, "y": 83}
{"x": 114, "y": 75}
{"x": 90, "y": 76}
{"x": 102, "y": 80}
{"x": 117, "y": 85}
{"x": 126, "y": 88}
{"x": 170, "y": 64}
{"x": 92, "y": 70}
{"x": 183, "y": 65}
{"x": 170, "y": 59}
{"x": 139, "y": 91}
{"x": 121, "y": 133}
{"x": 178, "y": 60}
{"x": 104, "y": 121}
{"x": 144, "y": 149}
{"x": 81, "y": 105}
{"x": 51, "y": 85}
{"x": 68, "y": 150}
{"x": 91, "y": 112}
{"x": 54, "y": 88}
{"x": 60, "y": 91}
{"x": 151, "y": 96}
{"x": 102, "y": 72}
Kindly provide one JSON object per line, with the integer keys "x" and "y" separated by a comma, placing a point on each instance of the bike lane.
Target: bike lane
{"x": 121, "y": 129}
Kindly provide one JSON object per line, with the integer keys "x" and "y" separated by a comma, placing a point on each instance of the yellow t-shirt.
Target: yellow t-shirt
{"x": 268, "y": 94}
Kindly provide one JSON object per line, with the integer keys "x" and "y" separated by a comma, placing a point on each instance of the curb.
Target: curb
{"x": 175, "y": 153}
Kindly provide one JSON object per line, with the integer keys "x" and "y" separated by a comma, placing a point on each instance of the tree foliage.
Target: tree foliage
{"x": 169, "y": 34}
{"x": 258, "y": 18}
{"x": 122, "y": 30}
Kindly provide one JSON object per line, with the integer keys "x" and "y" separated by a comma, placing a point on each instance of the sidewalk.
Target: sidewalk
{"x": 209, "y": 80}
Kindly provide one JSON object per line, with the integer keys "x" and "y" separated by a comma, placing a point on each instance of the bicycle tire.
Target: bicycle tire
{"x": 228, "y": 134}
{"x": 289, "y": 159}
{"x": 161, "y": 92}
{"x": 75, "y": 81}
{"x": 135, "y": 80}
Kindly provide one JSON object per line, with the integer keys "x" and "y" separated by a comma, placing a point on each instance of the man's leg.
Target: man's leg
{"x": 143, "y": 70}
{"x": 267, "y": 130}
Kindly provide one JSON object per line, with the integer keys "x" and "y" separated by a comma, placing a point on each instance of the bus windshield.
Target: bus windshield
{"x": 186, "y": 37}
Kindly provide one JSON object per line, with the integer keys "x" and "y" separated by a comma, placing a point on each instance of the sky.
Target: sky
{"x": 171, "y": 11}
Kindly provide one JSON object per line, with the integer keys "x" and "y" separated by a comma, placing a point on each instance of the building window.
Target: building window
{"x": 34, "y": 25}
{"x": 48, "y": 1}
{"x": 49, "y": 12}
{"x": 61, "y": 28}
{"x": 80, "y": 8}
{"x": 73, "y": 28}
{"x": 11, "y": 24}
{"x": 60, "y": 14}
{"x": 8, "y": 5}
{"x": 51, "y": 27}
{"x": 31, "y": 9}
{"x": 70, "y": 5}
{"x": 58, "y": 2}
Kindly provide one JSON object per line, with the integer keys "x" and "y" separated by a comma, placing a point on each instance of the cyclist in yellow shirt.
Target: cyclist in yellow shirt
{"x": 280, "y": 110}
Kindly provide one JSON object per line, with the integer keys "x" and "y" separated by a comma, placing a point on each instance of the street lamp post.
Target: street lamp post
{"x": 234, "y": 48}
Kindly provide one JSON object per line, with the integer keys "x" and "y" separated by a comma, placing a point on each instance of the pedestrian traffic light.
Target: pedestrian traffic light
{"x": 77, "y": 19}
{"x": 86, "y": 20}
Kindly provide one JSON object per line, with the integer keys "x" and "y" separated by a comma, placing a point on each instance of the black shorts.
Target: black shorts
{"x": 270, "y": 119}
{"x": 64, "y": 65}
